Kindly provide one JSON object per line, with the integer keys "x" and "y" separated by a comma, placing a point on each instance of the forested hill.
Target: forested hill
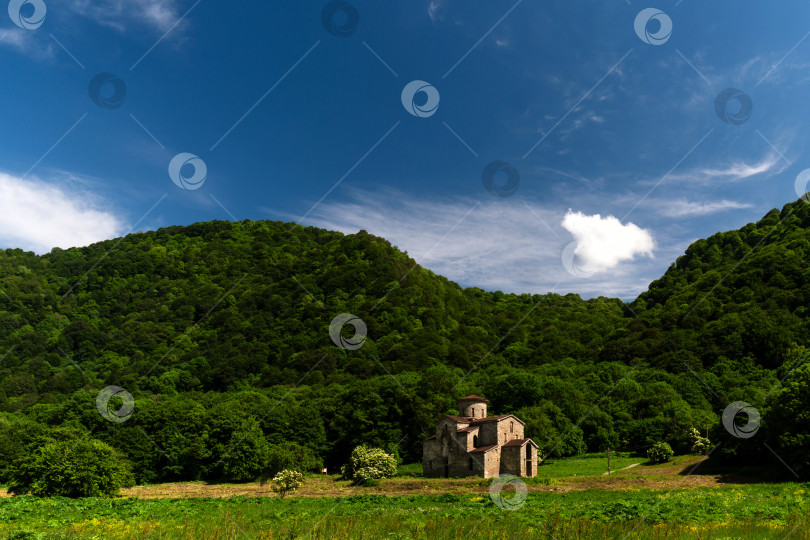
{"x": 264, "y": 296}
{"x": 737, "y": 294}
{"x": 214, "y": 324}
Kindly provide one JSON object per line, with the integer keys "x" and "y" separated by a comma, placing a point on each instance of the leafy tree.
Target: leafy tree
{"x": 290, "y": 456}
{"x": 18, "y": 436}
{"x": 246, "y": 455}
{"x": 71, "y": 468}
{"x": 788, "y": 420}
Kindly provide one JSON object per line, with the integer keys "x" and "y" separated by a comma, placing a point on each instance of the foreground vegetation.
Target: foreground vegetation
{"x": 752, "y": 511}
{"x": 571, "y": 498}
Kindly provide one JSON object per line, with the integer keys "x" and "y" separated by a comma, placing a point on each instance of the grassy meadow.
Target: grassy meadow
{"x": 571, "y": 498}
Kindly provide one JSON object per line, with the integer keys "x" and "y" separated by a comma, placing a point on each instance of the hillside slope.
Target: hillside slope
{"x": 264, "y": 297}
{"x": 219, "y": 325}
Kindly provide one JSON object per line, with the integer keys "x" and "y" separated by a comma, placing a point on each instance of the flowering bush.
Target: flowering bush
{"x": 369, "y": 464}
{"x": 286, "y": 481}
{"x": 660, "y": 453}
{"x": 700, "y": 445}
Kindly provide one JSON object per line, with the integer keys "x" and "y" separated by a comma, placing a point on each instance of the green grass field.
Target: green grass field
{"x": 587, "y": 465}
{"x": 755, "y": 510}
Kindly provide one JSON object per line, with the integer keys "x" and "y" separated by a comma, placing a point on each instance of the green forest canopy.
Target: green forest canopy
{"x": 219, "y": 326}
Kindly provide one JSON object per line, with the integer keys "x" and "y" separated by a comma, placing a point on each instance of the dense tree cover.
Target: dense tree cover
{"x": 221, "y": 332}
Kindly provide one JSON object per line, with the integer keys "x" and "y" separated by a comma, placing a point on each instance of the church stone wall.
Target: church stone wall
{"x": 512, "y": 460}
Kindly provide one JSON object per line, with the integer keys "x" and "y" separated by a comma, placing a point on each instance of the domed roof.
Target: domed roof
{"x": 474, "y": 398}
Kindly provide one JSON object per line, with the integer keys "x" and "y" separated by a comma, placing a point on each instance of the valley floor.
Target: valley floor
{"x": 571, "y": 498}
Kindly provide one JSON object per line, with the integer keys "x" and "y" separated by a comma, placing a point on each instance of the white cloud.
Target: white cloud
{"x": 684, "y": 208}
{"x": 602, "y": 243}
{"x": 37, "y": 216}
{"x": 118, "y": 14}
{"x": 505, "y": 244}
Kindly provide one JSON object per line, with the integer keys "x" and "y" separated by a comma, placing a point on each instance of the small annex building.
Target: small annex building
{"x": 474, "y": 444}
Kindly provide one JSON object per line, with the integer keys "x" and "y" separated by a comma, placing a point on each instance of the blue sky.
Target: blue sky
{"x": 622, "y": 157}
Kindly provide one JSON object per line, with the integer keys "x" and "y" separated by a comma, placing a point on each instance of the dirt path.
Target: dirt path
{"x": 622, "y": 469}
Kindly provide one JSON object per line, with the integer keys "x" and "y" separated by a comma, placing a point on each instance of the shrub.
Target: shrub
{"x": 71, "y": 468}
{"x": 292, "y": 456}
{"x": 366, "y": 464}
{"x": 286, "y": 481}
{"x": 660, "y": 452}
{"x": 699, "y": 445}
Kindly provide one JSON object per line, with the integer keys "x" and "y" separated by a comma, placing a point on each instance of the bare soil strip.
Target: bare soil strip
{"x": 673, "y": 476}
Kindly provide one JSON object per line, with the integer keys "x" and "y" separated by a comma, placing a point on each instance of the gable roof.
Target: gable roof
{"x": 467, "y": 429}
{"x": 483, "y": 448}
{"x": 466, "y": 420}
{"x": 521, "y": 442}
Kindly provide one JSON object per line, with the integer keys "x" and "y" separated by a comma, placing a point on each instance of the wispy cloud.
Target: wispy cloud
{"x": 683, "y": 208}
{"x": 24, "y": 41}
{"x": 159, "y": 15}
{"x": 38, "y": 216}
{"x": 433, "y": 8}
{"x": 732, "y": 171}
{"x": 507, "y": 244}
{"x": 741, "y": 170}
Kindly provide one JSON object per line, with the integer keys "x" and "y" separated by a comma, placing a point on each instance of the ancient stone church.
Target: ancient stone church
{"x": 474, "y": 444}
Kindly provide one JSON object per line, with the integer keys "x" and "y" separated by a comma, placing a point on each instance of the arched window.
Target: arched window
{"x": 473, "y": 411}
{"x": 471, "y": 464}
{"x": 511, "y": 427}
{"x": 475, "y": 441}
